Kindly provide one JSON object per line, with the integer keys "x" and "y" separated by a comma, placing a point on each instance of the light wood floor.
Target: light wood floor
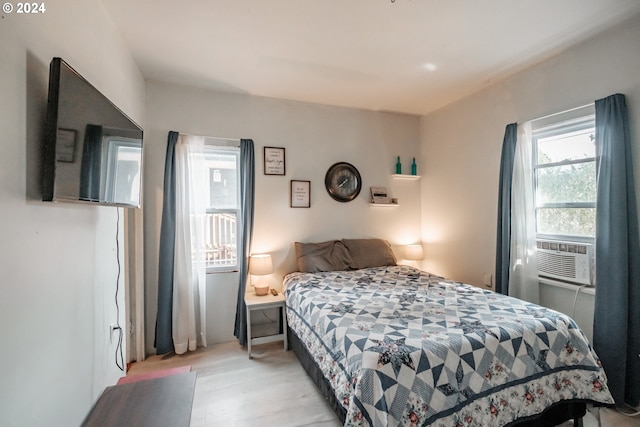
{"x": 272, "y": 389}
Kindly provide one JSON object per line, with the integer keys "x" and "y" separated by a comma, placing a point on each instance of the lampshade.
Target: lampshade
{"x": 413, "y": 252}
{"x": 260, "y": 265}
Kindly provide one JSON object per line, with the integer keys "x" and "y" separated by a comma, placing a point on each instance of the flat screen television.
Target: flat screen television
{"x": 92, "y": 151}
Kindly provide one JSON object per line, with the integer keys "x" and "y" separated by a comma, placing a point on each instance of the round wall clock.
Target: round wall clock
{"x": 343, "y": 182}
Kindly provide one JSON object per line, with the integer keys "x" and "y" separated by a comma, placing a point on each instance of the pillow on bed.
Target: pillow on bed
{"x": 324, "y": 256}
{"x": 367, "y": 253}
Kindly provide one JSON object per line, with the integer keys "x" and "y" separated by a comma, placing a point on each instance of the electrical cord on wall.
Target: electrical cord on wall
{"x": 575, "y": 300}
{"x": 267, "y": 317}
{"x": 119, "y": 352}
{"x": 628, "y": 414}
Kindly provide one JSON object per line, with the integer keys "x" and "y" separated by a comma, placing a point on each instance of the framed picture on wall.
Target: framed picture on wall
{"x": 274, "y": 161}
{"x": 300, "y": 194}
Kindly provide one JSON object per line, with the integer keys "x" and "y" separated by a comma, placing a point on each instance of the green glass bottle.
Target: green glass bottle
{"x": 398, "y": 166}
{"x": 414, "y": 167}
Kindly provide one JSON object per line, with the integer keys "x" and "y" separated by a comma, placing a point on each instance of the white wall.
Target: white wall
{"x": 461, "y": 145}
{"x": 314, "y": 137}
{"x": 58, "y": 261}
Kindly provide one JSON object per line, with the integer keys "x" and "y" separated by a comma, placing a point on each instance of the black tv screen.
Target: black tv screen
{"x": 92, "y": 151}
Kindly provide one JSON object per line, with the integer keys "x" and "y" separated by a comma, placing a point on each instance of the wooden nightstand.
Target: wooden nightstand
{"x": 255, "y": 302}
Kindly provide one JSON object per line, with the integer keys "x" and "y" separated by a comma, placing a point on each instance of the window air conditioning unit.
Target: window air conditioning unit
{"x": 566, "y": 261}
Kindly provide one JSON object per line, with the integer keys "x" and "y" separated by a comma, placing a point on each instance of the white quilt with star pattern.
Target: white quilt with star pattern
{"x": 402, "y": 347}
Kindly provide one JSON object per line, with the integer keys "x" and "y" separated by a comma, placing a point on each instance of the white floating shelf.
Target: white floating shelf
{"x": 384, "y": 205}
{"x": 403, "y": 176}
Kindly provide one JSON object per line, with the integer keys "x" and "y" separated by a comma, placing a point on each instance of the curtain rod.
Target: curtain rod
{"x": 560, "y": 112}
{"x": 211, "y": 137}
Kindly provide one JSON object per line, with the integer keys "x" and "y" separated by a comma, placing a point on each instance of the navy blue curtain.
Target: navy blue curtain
{"x": 164, "y": 317}
{"x": 247, "y": 190}
{"x": 616, "y": 331}
{"x": 503, "y": 242}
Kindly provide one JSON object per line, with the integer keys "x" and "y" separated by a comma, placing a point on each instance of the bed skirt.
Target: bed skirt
{"x": 552, "y": 416}
{"x": 315, "y": 374}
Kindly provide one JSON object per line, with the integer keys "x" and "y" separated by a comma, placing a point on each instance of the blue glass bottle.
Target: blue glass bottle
{"x": 398, "y": 166}
{"x": 414, "y": 167}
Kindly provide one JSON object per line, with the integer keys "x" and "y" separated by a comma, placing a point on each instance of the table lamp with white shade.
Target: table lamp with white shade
{"x": 413, "y": 253}
{"x": 260, "y": 265}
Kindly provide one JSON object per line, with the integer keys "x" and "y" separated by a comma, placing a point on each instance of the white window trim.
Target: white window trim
{"x": 551, "y": 126}
{"x": 228, "y": 146}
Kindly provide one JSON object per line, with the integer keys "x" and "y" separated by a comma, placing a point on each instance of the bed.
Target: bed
{"x": 391, "y": 345}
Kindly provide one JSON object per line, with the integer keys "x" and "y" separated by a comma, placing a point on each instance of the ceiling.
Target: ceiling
{"x": 408, "y": 56}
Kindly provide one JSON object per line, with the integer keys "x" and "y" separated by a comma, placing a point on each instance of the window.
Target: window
{"x": 223, "y": 207}
{"x": 564, "y": 170}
